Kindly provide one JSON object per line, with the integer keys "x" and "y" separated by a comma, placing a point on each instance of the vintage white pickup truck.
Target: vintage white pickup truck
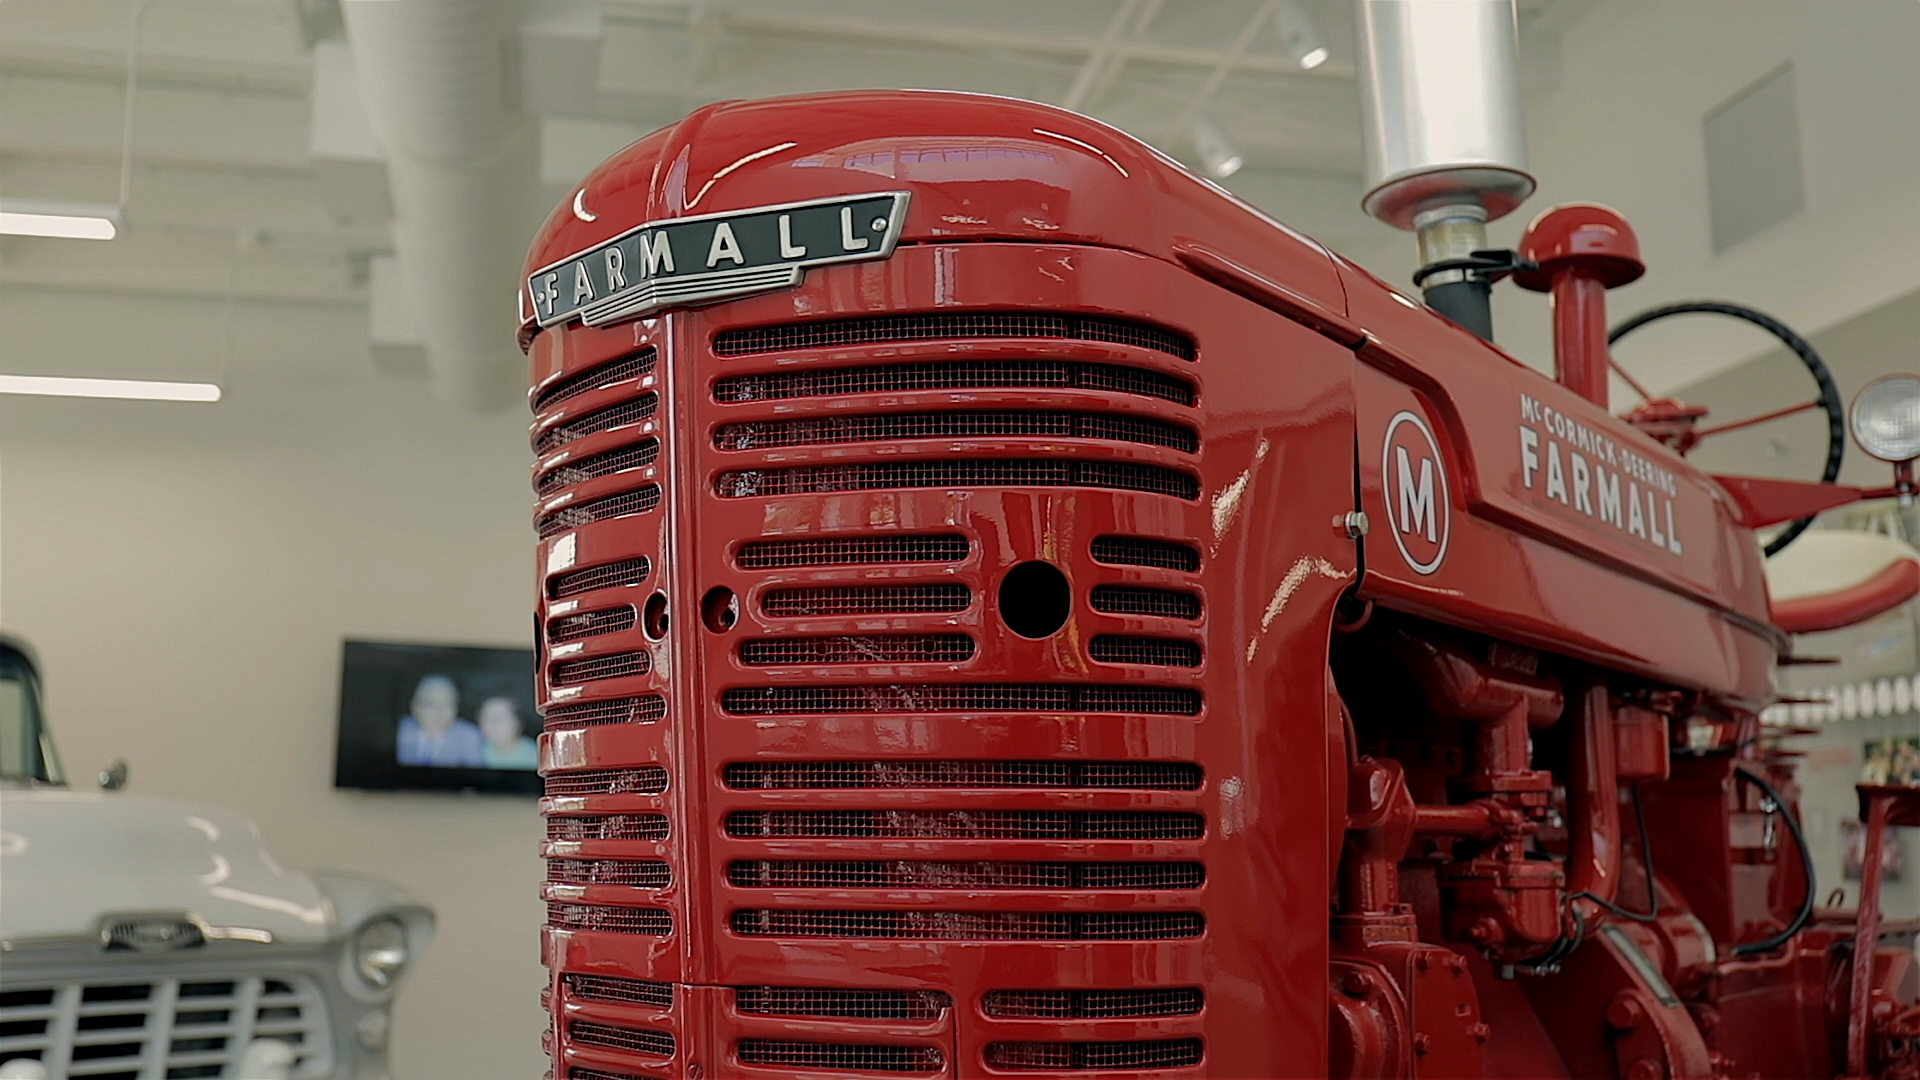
{"x": 153, "y": 939}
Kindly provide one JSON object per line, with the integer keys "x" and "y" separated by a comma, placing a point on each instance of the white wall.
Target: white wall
{"x": 188, "y": 573}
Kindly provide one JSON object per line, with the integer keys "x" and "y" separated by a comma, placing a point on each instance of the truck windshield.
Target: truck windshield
{"x": 26, "y": 753}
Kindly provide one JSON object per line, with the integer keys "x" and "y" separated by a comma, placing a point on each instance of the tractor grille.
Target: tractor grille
{"x": 891, "y": 427}
{"x": 1091, "y": 1056}
{"x": 837, "y": 1003}
{"x": 961, "y": 697}
{"x": 865, "y": 600}
{"x": 1147, "y": 775}
{"x": 955, "y": 375}
{"x": 591, "y": 624}
{"x": 633, "y": 1040}
{"x": 967, "y": 824}
{"x": 639, "y": 875}
{"x": 642, "y": 710}
{"x": 579, "y": 471}
{"x": 1143, "y": 551}
{"x": 641, "y": 780}
{"x": 626, "y": 369}
{"x": 610, "y": 827}
{"x": 1091, "y": 1004}
{"x": 851, "y": 551}
{"x": 841, "y": 1057}
{"x": 616, "y": 666}
{"x": 968, "y": 472}
{"x": 970, "y": 925}
{"x": 593, "y": 423}
{"x": 928, "y": 874}
{"x": 1162, "y": 652}
{"x": 625, "y": 504}
{"x": 657, "y": 922}
{"x": 884, "y": 329}
{"x": 1139, "y": 600}
{"x": 858, "y": 649}
{"x": 607, "y": 576}
{"x": 621, "y": 991}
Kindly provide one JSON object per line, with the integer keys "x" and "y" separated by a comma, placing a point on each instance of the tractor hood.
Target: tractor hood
{"x": 73, "y": 862}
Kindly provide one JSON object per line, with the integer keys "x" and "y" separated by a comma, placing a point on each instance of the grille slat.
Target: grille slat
{"x": 618, "y": 460}
{"x": 606, "y": 576}
{"x": 625, "y": 504}
{"x": 655, "y": 922}
{"x": 960, "y": 697}
{"x": 851, "y": 551}
{"x": 630, "y": 872}
{"x": 596, "y": 668}
{"x": 638, "y": 780}
{"x": 954, "y": 375}
{"x": 633, "y": 1040}
{"x": 970, "y": 925}
{"x": 1141, "y": 600}
{"x": 175, "y": 1027}
{"x": 890, "y": 427}
{"x": 609, "y": 827}
{"x": 968, "y": 472}
{"x": 841, "y": 1003}
{"x": 593, "y": 423}
{"x": 1092, "y": 1004}
{"x": 878, "y": 329}
{"x": 641, "y": 710}
{"x": 1089, "y": 1056}
{"x": 1145, "y": 551}
{"x": 847, "y": 1057}
{"x": 623, "y": 991}
{"x": 825, "y": 775}
{"x": 1044, "y": 825}
{"x": 930, "y": 874}
{"x": 1160, "y": 652}
{"x": 865, "y": 600}
{"x": 858, "y": 649}
{"x": 591, "y": 624}
{"x": 631, "y": 366}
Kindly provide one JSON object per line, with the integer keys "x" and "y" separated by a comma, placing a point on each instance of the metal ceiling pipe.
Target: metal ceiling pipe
{"x": 463, "y": 164}
{"x": 1445, "y": 141}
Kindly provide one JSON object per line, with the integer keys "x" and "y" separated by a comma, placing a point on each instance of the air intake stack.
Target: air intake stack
{"x": 1445, "y": 143}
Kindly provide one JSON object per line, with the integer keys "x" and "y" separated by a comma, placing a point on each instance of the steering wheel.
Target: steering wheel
{"x": 1677, "y": 424}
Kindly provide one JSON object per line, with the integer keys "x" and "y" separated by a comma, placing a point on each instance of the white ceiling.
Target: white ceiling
{"x": 225, "y": 202}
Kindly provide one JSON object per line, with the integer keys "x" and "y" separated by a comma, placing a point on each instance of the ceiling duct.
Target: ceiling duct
{"x": 1445, "y": 141}
{"x": 463, "y": 166}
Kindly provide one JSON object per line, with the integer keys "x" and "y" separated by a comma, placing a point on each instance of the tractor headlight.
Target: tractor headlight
{"x": 1886, "y": 418}
{"x": 380, "y": 952}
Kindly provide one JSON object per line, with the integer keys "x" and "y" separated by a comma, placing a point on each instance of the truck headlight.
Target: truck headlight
{"x": 380, "y": 952}
{"x": 1886, "y": 418}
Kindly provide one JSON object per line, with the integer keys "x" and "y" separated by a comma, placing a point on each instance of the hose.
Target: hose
{"x": 1646, "y": 861}
{"x": 1806, "y": 865}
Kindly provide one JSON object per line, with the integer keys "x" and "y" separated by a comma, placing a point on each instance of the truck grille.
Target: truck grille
{"x": 961, "y": 697}
{"x": 886, "y": 329}
{"x": 970, "y": 925}
{"x": 641, "y": 780}
{"x": 956, "y": 425}
{"x": 638, "y": 874}
{"x": 640, "y": 710}
{"x": 579, "y": 471}
{"x": 1091, "y": 1004}
{"x": 657, "y": 922}
{"x": 1147, "y": 775}
{"x": 967, "y": 824}
{"x": 636, "y": 1040}
{"x": 841, "y": 1057}
{"x": 1139, "y": 600}
{"x": 608, "y": 576}
{"x": 838, "y": 1003}
{"x": 620, "y": 991}
{"x": 969, "y": 472}
{"x": 956, "y": 375}
{"x": 1089, "y": 1056}
{"x": 858, "y": 649}
{"x": 105, "y": 1027}
{"x": 930, "y": 874}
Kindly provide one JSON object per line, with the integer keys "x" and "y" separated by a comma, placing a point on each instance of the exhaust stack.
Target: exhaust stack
{"x": 1445, "y": 141}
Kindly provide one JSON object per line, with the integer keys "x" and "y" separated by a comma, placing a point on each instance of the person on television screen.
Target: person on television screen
{"x": 433, "y": 733}
{"x": 507, "y": 746}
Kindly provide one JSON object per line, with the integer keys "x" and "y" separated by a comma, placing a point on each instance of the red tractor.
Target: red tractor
{"x": 1009, "y": 608}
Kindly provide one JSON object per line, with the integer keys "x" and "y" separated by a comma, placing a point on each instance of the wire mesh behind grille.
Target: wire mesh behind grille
{"x": 970, "y": 925}
{"x": 865, "y": 600}
{"x": 858, "y": 649}
{"x": 609, "y": 827}
{"x": 618, "y": 416}
{"x": 1088, "y": 1056}
{"x": 1143, "y": 551}
{"x": 961, "y": 697}
{"x": 625, "y": 504}
{"x": 656, "y": 922}
{"x": 954, "y": 375}
{"x": 640, "y": 710}
{"x": 851, "y": 551}
{"x": 848, "y": 1057}
{"x": 1092, "y": 1004}
{"x": 875, "y": 329}
{"x": 631, "y": 366}
{"x": 593, "y": 669}
{"x": 930, "y": 874}
{"x": 580, "y": 1073}
{"x": 889, "y": 427}
{"x": 604, "y": 576}
{"x": 625, "y": 991}
{"x": 591, "y": 624}
{"x": 631, "y": 872}
{"x": 1141, "y": 600}
{"x": 969, "y": 472}
{"x": 1162, "y": 652}
{"x": 635, "y": 1040}
{"x": 966, "y": 824}
{"x": 638, "y": 780}
{"x": 1150, "y": 775}
{"x": 617, "y": 460}
{"x": 841, "y": 1003}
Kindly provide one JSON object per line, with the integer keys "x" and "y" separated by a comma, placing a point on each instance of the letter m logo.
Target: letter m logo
{"x": 1416, "y": 496}
{"x": 1413, "y": 481}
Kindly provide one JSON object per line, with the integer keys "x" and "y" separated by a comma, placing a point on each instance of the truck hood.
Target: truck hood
{"x": 70, "y": 860}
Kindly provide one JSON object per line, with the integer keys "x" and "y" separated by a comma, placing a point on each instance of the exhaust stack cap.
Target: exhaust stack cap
{"x": 1440, "y": 101}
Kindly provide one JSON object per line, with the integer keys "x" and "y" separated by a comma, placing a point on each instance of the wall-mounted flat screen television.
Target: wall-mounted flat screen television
{"x": 436, "y": 718}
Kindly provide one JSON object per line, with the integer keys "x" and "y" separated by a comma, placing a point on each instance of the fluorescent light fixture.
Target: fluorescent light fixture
{"x": 131, "y": 389}
{"x": 66, "y": 220}
{"x": 1219, "y": 157}
{"x": 1299, "y": 35}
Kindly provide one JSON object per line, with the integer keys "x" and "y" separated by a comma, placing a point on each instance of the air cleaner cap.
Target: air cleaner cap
{"x": 1582, "y": 236}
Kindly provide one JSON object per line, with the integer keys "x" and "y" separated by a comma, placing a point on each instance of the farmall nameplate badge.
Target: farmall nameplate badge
{"x": 681, "y": 262}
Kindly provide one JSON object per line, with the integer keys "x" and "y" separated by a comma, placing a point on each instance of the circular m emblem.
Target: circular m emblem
{"x": 1414, "y": 482}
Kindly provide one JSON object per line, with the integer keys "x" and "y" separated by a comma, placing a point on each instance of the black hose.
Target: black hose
{"x": 1646, "y": 861}
{"x": 1806, "y": 865}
